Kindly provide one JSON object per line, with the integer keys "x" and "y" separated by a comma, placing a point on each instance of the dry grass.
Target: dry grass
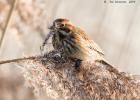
{"x": 59, "y": 80}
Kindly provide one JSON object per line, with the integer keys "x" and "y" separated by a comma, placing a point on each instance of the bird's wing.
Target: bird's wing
{"x": 94, "y": 46}
{"x": 89, "y": 43}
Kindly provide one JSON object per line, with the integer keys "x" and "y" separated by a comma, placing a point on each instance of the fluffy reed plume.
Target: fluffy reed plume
{"x": 58, "y": 80}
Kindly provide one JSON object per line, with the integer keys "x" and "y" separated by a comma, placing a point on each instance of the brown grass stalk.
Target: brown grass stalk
{"x": 7, "y": 21}
{"x": 17, "y": 59}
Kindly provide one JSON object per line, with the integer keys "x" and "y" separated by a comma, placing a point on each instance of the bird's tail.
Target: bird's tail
{"x": 107, "y": 66}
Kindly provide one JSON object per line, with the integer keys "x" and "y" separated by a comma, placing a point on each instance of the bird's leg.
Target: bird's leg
{"x": 77, "y": 64}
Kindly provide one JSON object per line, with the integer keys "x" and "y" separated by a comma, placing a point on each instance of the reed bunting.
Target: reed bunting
{"x": 73, "y": 42}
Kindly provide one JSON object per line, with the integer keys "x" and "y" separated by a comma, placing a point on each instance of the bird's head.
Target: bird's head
{"x": 61, "y": 24}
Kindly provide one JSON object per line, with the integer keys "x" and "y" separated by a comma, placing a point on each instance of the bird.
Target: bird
{"x": 74, "y": 43}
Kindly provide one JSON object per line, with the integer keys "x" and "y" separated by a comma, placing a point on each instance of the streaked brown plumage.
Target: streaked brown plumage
{"x": 73, "y": 42}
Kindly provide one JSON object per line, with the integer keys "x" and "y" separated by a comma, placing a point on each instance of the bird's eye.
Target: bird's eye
{"x": 62, "y": 25}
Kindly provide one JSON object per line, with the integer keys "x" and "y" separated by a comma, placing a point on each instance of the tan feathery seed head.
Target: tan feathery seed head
{"x": 60, "y": 81}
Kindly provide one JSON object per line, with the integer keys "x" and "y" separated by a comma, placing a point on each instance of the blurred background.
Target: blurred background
{"x": 114, "y": 26}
